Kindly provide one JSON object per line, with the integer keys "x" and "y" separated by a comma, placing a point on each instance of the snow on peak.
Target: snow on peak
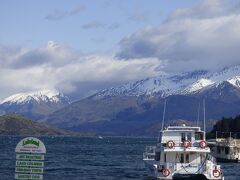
{"x": 235, "y": 81}
{"x": 163, "y": 85}
{"x": 182, "y": 83}
{"x": 200, "y": 84}
{"x": 38, "y": 96}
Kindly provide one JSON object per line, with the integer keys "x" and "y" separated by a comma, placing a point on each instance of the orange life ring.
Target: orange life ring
{"x": 166, "y": 172}
{"x": 187, "y": 144}
{"x": 170, "y": 144}
{"x": 203, "y": 144}
{"x": 216, "y": 173}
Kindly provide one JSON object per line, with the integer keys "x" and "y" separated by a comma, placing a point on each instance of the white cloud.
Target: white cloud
{"x": 203, "y": 37}
{"x": 57, "y": 66}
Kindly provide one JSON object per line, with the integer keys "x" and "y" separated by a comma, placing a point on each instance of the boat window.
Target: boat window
{"x": 182, "y": 158}
{"x": 227, "y": 150}
{"x": 189, "y": 136}
{"x": 183, "y": 138}
{"x": 198, "y": 136}
{"x": 165, "y": 157}
{"x": 187, "y": 158}
{"x": 218, "y": 149}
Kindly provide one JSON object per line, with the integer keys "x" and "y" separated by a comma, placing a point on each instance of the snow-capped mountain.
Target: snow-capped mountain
{"x": 177, "y": 84}
{"x": 48, "y": 96}
{"x": 36, "y": 105}
{"x": 134, "y": 107}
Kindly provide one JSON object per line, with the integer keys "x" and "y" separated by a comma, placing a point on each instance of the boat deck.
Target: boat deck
{"x": 228, "y": 142}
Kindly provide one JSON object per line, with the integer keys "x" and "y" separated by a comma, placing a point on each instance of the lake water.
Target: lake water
{"x": 80, "y": 158}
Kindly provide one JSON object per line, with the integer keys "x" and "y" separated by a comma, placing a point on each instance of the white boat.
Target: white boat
{"x": 225, "y": 149}
{"x": 182, "y": 152}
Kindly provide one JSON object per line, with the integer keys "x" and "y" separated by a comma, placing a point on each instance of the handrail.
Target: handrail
{"x": 181, "y": 144}
{"x": 172, "y": 162}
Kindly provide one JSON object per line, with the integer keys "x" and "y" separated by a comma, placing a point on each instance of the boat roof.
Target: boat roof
{"x": 183, "y": 128}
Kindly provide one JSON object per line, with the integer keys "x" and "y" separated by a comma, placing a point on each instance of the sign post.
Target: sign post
{"x": 30, "y": 153}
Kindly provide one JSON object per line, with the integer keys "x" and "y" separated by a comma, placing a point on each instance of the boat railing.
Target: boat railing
{"x": 195, "y": 143}
{"x": 196, "y": 167}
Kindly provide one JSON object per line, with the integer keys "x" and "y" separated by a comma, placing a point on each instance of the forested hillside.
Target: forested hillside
{"x": 226, "y": 125}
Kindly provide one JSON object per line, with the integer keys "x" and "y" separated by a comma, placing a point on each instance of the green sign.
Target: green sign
{"x": 30, "y": 163}
{"x": 29, "y": 157}
{"x": 29, "y": 176}
{"x": 29, "y": 170}
{"x": 30, "y": 145}
{"x": 30, "y": 142}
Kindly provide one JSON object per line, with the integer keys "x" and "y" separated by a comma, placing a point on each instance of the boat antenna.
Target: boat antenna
{"x": 164, "y": 111}
{"x": 198, "y": 113}
{"x": 204, "y": 115}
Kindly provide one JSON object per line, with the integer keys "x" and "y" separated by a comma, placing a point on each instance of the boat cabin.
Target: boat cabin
{"x": 181, "y": 146}
{"x": 226, "y": 149}
{"x": 180, "y": 134}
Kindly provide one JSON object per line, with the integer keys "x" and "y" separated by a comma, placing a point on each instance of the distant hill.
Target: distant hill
{"x": 14, "y": 124}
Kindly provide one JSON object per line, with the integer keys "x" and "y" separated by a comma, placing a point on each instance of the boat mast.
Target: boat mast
{"x": 204, "y": 116}
{"x": 164, "y": 110}
{"x": 198, "y": 113}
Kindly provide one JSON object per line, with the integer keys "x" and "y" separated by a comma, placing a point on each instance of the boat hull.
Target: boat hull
{"x": 152, "y": 164}
{"x": 189, "y": 177}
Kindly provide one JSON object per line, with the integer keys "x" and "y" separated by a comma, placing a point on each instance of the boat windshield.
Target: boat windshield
{"x": 199, "y": 136}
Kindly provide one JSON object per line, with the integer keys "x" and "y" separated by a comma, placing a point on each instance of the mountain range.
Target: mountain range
{"x": 188, "y": 83}
{"x": 136, "y": 108}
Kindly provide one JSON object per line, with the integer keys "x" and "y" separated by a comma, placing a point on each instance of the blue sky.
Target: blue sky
{"x": 87, "y": 25}
{"x": 81, "y": 47}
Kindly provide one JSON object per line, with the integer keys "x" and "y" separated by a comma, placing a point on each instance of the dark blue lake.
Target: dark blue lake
{"x": 91, "y": 158}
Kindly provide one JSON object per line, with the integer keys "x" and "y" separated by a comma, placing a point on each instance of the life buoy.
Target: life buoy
{"x": 216, "y": 173}
{"x": 203, "y": 144}
{"x": 166, "y": 172}
{"x": 170, "y": 144}
{"x": 187, "y": 144}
